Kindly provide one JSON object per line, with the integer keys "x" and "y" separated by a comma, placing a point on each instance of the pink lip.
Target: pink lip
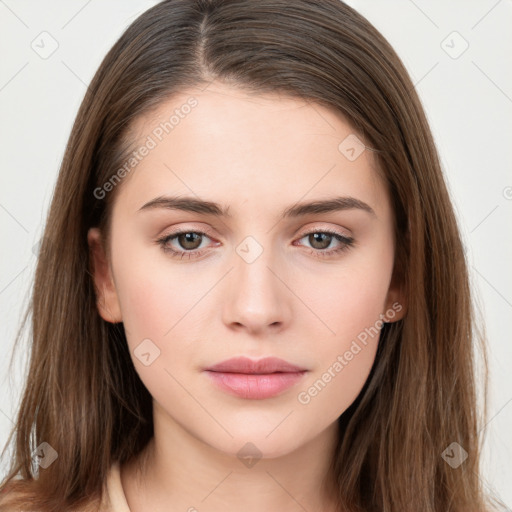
{"x": 255, "y": 380}
{"x": 247, "y": 365}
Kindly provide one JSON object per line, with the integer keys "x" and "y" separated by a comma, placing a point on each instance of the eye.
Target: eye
{"x": 320, "y": 240}
{"x": 188, "y": 243}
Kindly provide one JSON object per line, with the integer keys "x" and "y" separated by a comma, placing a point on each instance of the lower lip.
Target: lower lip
{"x": 255, "y": 386}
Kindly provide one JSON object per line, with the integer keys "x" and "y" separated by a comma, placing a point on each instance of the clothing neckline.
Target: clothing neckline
{"x": 115, "y": 492}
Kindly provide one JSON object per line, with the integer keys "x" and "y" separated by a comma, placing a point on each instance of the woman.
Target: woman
{"x": 314, "y": 350}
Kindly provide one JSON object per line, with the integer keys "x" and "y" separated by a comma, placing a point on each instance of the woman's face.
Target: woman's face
{"x": 287, "y": 251}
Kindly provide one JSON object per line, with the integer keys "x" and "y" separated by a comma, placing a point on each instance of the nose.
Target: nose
{"x": 257, "y": 299}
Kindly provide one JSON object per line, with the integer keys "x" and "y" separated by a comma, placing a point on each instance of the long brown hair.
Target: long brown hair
{"x": 83, "y": 396}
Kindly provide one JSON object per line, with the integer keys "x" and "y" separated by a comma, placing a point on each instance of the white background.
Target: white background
{"x": 468, "y": 101}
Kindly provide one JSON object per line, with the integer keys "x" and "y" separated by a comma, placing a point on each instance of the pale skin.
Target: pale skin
{"x": 257, "y": 155}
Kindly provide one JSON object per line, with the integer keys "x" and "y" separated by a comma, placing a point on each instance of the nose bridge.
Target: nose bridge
{"x": 252, "y": 273}
{"x": 257, "y": 297}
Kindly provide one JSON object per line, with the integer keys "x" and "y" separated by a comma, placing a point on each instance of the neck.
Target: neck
{"x": 177, "y": 471}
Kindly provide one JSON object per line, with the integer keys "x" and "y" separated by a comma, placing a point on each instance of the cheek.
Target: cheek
{"x": 350, "y": 298}
{"x": 344, "y": 357}
{"x": 350, "y": 305}
{"x": 155, "y": 294}
{"x": 337, "y": 383}
{"x": 157, "y": 304}
{"x": 146, "y": 303}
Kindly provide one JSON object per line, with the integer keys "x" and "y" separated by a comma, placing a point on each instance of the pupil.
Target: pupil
{"x": 317, "y": 237}
{"x": 189, "y": 239}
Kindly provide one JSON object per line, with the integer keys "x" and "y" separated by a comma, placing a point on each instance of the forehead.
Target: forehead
{"x": 243, "y": 147}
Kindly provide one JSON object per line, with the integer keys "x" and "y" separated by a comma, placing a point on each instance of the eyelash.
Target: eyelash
{"x": 347, "y": 242}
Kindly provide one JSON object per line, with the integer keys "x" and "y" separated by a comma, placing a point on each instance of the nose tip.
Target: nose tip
{"x": 256, "y": 298}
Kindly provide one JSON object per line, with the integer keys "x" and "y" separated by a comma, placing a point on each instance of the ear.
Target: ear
{"x": 106, "y": 294}
{"x": 396, "y": 304}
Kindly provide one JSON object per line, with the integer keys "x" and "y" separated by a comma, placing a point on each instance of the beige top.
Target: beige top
{"x": 114, "y": 499}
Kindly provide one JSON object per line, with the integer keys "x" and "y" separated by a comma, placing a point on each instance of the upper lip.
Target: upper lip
{"x": 251, "y": 366}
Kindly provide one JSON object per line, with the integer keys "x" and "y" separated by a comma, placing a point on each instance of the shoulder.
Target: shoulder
{"x": 12, "y": 500}
{"x": 16, "y": 499}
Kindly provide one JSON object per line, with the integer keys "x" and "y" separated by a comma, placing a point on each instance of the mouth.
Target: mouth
{"x": 246, "y": 365}
{"x": 256, "y": 380}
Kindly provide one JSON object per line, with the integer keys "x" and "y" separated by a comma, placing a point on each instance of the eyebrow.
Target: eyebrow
{"x": 201, "y": 206}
